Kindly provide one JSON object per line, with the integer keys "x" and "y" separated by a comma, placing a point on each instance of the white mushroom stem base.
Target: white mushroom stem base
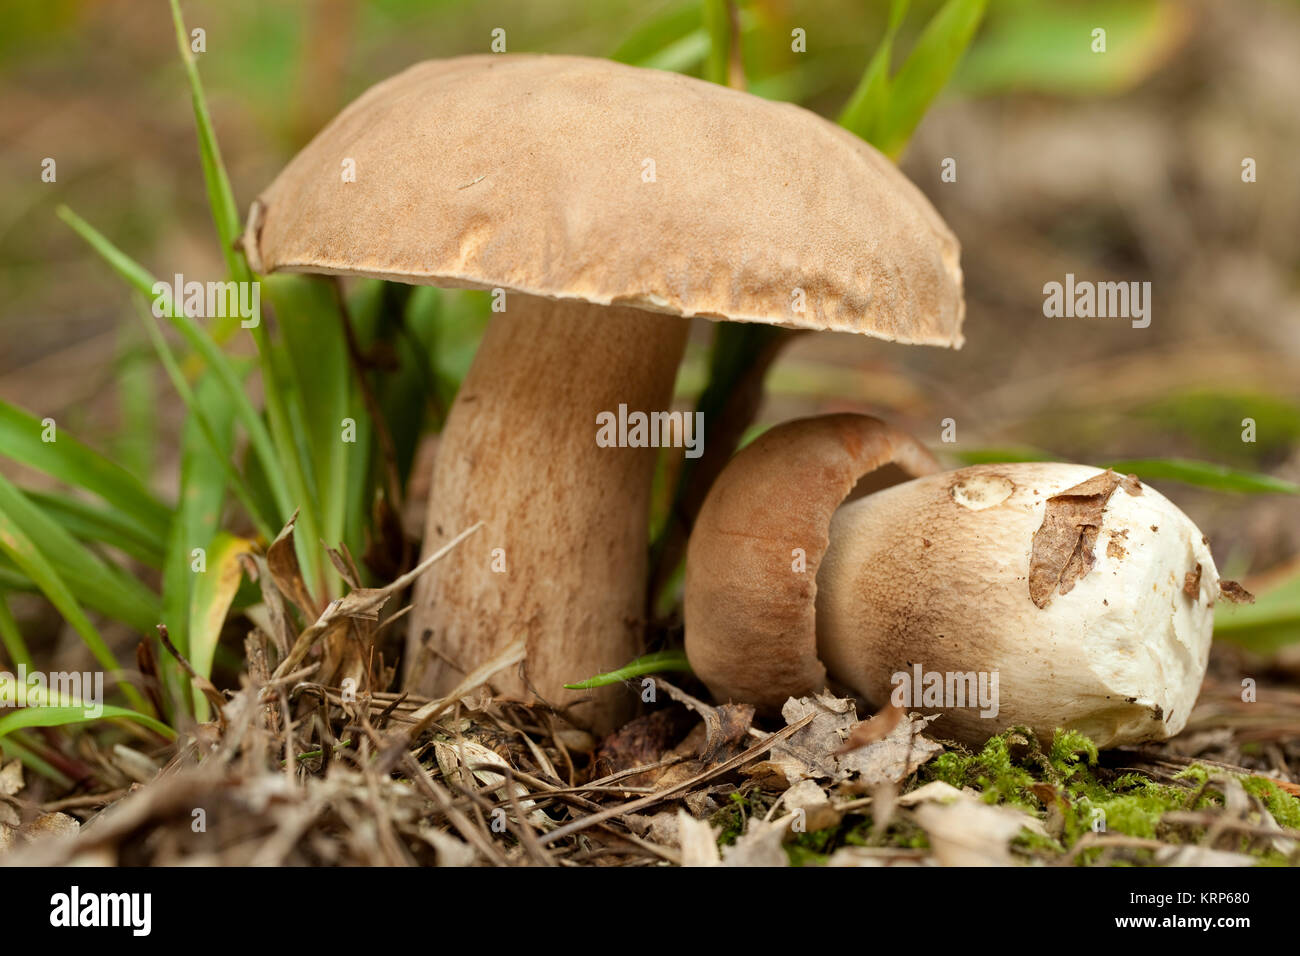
{"x": 561, "y": 559}
{"x": 931, "y": 578}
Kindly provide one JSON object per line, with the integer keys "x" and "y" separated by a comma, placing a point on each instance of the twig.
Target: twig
{"x": 725, "y": 767}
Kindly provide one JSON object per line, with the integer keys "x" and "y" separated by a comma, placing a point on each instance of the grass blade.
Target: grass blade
{"x": 77, "y": 464}
{"x": 11, "y": 638}
{"x": 1205, "y": 474}
{"x": 137, "y": 397}
{"x": 104, "y": 587}
{"x": 221, "y": 198}
{"x": 667, "y": 28}
{"x": 926, "y": 71}
{"x": 210, "y": 601}
{"x": 717, "y": 23}
{"x": 24, "y": 553}
{"x": 62, "y": 716}
{"x": 865, "y": 111}
{"x": 202, "y": 343}
{"x": 99, "y": 526}
{"x": 198, "y": 515}
{"x": 206, "y": 429}
{"x": 1273, "y": 621}
{"x": 655, "y": 663}
{"x": 16, "y": 746}
{"x": 1002, "y": 456}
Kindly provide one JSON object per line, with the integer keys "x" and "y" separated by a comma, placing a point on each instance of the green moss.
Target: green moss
{"x": 730, "y": 818}
{"x": 1284, "y": 807}
{"x": 1062, "y": 784}
{"x": 993, "y": 771}
{"x": 1013, "y": 769}
{"x": 1069, "y": 747}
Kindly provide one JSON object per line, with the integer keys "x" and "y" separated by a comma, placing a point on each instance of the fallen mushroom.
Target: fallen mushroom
{"x": 1037, "y": 594}
{"x": 605, "y": 203}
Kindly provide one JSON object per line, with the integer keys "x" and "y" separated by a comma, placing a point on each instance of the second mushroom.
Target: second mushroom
{"x": 1033, "y": 594}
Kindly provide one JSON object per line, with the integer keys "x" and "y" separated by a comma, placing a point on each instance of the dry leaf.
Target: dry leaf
{"x": 49, "y": 825}
{"x": 699, "y": 844}
{"x": 640, "y": 742}
{"x": 282, "y": 562}
{"x": 895, "y": 758}
{"x": 1234, "y": 593}
{"x": 877, "y": 728}
{"x": 808, "y": 798}
{"x": 760, "y": 845}
{"x": 1065, "y": 543}
{"x": 451, "y": 755}
{"x": 724, "y": 725}
{"x": 855, "y": 856}
{"x": 11, "y": 778}
{"x": 816, "y": 751}
{"x": 964, "y": 831}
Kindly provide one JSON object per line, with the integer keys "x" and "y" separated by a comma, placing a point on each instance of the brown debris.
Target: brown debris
{"x": 640, "y": 742}
{"x": 1234, "y": 593}
{"x": 869, "y": 731}
{"x": 819, "y": 751}
{"x": 1064, "y": 544}
{"x": 1192, "y": 582}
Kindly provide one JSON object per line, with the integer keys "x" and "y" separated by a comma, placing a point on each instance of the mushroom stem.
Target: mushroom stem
{"x": 562, "y": 557}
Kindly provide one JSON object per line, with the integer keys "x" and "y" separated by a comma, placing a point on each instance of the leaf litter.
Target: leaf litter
{"x": 294, "y": 770}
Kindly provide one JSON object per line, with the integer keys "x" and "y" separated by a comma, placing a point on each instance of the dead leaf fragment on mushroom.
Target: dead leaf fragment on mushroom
{"x": 1234, "y": 593}
{"x": 1064, "y": 546}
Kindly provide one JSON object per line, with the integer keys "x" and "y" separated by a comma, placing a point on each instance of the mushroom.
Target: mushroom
{"x": 604, "y": 204}
{"x": 1032, "y": 594}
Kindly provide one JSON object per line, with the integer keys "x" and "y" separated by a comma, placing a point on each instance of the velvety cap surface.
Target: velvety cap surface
{"x": 569, "y": 177}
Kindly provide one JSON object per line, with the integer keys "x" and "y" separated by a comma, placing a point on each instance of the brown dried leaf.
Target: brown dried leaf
{"x": 877, "y": 728}
{"x": 1234, "y": 593}
{"x": 1065, "y": 543}
{"x": 640, "y": 742}
{"x": 282, "y": 563}
{"x": 50, "y": 824}
{"x": 724, "y": 725}
{"x": 896, "y": 757}
{"x": 818, "y": 752}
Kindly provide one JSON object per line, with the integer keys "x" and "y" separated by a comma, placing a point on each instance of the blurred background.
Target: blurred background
{"x": 1124, "y": 165}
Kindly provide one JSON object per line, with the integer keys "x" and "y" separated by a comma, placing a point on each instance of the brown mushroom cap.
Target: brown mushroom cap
{"x": 751, "y": 619}
{"x": 525, "y": 172}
